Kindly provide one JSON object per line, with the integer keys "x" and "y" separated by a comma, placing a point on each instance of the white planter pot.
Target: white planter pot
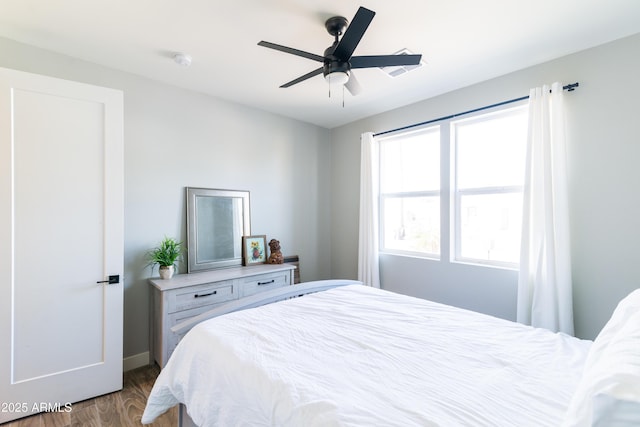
{"x": 166, "y": 272}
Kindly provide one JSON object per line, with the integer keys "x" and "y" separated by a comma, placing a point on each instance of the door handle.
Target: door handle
{"x": 112, "y": 280}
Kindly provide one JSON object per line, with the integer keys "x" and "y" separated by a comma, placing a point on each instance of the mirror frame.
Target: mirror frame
{"x": 192, "y": 227}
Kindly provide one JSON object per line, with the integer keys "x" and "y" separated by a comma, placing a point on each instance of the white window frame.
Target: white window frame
{"x": 409, "y": 194}
{"x": 416, "y": 194}
{"x": 449, "y": 195}
{"x": 457, "y": 224}
{"x": 457, "y": 194}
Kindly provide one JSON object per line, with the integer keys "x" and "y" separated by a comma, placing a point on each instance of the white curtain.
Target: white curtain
{"x": 544, "y": 281}
{"x": 368, "y": 264}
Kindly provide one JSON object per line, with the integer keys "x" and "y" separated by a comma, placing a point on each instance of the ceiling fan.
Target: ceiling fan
{"x": 338, "y": 60}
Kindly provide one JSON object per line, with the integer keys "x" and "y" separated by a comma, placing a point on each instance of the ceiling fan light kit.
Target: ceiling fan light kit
{"x": 338, "y": 60}
{"x": 337, "y": 78}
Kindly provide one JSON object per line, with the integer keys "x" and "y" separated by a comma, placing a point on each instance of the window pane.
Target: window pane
{"x": 491, "y": 150}
{"x": 410, "y": 162}
{"x": 411, "y": 224}
{"x": 490, "y": 227}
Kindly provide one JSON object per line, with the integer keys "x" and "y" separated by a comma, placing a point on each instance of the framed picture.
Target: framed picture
{"x": 254, "y": 249}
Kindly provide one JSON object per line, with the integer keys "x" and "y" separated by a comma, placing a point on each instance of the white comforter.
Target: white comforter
{"x": 358, "y": 356}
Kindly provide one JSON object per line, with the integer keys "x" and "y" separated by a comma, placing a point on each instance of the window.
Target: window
{"x": 483, "y": 160}
{"x": 410, "y": 193}
{"x": 489, "y": 156}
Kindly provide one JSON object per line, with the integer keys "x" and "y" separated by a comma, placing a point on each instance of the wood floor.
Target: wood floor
{"x": 120, "y": 409}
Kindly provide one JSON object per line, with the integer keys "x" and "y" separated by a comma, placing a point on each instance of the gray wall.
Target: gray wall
{"x": 304, "y": 179}
{"x": 604, "y": 150}
{"x": 176, "y": 138}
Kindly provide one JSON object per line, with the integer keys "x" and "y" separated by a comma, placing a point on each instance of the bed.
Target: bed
{"x": 352, "y": 355}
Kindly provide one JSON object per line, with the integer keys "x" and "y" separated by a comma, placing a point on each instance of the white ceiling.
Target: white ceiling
{"x": 462, "y": 42}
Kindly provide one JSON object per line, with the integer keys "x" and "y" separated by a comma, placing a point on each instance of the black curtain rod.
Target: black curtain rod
{"x": 569, "y": 88}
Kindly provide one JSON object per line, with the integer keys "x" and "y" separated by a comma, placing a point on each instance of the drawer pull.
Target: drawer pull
{"x": 266, "y": 283}
{"x": 205, "y": 295}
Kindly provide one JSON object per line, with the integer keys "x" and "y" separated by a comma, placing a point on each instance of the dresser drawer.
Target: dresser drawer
{"x": 201, "y": 295}
{"x": 178, "y": 317}
{"x": 254, "y": 284}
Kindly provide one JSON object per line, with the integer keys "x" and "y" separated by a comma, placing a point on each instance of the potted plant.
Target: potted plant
{"x": 165, "y": 256}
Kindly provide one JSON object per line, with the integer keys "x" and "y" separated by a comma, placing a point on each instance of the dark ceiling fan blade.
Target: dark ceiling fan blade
{"x": 303, "y": 78}
{"x": 352, "y": 85}
{"x": 354, "y": 33}
{"x": 384, "y": 60}
{"x": 292, "y": 51}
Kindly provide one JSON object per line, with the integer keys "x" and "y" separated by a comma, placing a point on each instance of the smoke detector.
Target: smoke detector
{"x": 182, "y": 59}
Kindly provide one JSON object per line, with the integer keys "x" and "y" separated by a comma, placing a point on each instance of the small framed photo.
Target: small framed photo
{"x": 254, "y": 249}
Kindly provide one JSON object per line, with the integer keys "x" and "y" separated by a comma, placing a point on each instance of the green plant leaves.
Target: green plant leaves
{"x": 167, "y": 253}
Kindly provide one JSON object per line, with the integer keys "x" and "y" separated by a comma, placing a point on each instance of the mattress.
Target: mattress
{"x": 359, "y": 356}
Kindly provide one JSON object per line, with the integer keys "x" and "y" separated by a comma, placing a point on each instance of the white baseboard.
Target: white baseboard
{"x": 135, "y": 361}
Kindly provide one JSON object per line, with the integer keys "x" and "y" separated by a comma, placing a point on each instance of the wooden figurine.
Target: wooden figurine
{"x": 276, "y": 256}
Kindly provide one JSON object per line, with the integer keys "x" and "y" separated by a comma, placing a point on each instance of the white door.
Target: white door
{"x": 61, "y": 232}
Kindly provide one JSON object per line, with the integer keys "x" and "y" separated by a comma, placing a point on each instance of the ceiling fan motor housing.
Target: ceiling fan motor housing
{"x": 332, "y": 64}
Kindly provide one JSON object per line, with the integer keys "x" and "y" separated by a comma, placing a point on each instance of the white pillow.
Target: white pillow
{"x": 608, "y": 394}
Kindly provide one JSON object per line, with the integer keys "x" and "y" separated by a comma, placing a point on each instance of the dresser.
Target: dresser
{"x": 188, "y": 295}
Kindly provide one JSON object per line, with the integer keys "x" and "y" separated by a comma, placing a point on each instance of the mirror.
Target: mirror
{"x": 216, "y": 222}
